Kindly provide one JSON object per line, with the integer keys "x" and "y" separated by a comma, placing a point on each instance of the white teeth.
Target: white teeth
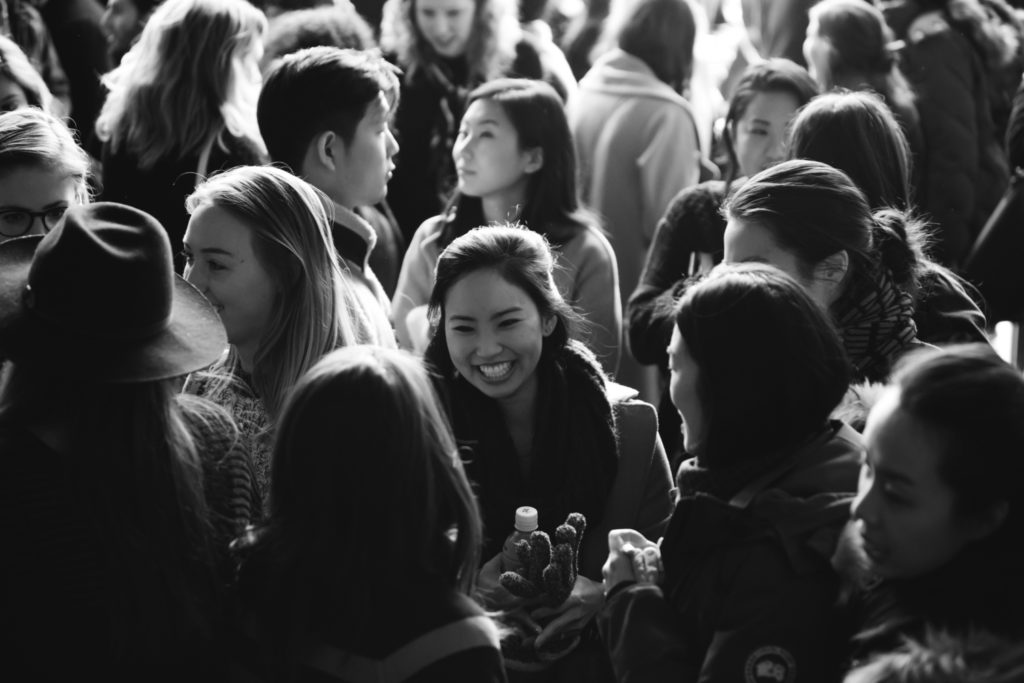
{"x": 496, "y": 370}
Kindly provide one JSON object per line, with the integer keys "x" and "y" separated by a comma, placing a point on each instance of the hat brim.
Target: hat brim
{"x": 194, "y": 337}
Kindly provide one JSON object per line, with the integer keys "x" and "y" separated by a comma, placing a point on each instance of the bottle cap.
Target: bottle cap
{"x": 526, "y": 518}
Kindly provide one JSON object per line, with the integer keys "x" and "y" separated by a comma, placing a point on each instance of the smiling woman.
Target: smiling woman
{"x": 42, "y": 172}
{"x": 258, "y": 246}
{"x": 939, "y": 506}
{"x": 541, "y": 424}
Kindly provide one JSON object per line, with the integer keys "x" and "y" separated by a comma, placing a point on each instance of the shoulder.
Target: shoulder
{"x": 588, "y": 240}
{"x": 428, "y": 235}
{"x": 632, "y": 415}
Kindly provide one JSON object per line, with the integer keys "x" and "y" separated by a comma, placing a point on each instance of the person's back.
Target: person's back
{"x": 107, "y": 520}
{"x": 164, "y": 131}
{"x": 356, "y": 576}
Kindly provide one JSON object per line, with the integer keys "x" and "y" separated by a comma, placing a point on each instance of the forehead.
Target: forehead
{"x": 212, "y": 227}
{"x": 445, "y": 5}
{"x": 899, "y": 442}
{"x": 487, "y": 110}
{"x": 772, "y": 105}
{"x": 377, "y": 110}
{"x": 483, "y": 291}
{"x": 35, "y": 187}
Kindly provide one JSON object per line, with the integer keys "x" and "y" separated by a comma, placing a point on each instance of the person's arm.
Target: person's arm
{"x": 676, "y": 242}
{"x": 595, "y": 292}
{"x": 415, "y": 281}
{"x": 645, "y": 638}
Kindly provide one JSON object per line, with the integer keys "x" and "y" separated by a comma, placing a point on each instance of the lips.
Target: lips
{"x": 874, "y": 551}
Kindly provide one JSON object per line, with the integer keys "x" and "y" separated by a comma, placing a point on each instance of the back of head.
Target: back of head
{"x": 857, "y": 133}
{"x": 316, "y": 90}
{"x": 189, "y": 76}
{"x": 538, "y": 116}
{"x": 523, "y": 258}
{"x": 31, "y": 137}
{"x": 367, "y": 475}
{"x": 771, "y": 367}
{"x": 775, "y": 75}
{"x": 291, "y": 237}
{"x": 814, "y": 211}
{"x": 16, "y": 67}
{"x": 335, "y": 25}
{"x": 860, "y": 41}
{"x": 662, "y": 34}
{"x": 973, "y": 401}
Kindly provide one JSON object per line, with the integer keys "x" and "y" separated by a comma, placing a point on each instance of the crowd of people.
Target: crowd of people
{"x": 456, "y": 340}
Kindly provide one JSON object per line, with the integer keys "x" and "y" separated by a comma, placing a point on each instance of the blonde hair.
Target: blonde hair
{"x": 191, "y": 76}
{"x": 291, "y": 230}
{"x": 32, "y": 137}
{"x": 16, "y": 67}
{"x": 489, "y": 52}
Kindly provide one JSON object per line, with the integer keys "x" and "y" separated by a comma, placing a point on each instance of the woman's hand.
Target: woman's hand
{"x": 572, "y": 615}
{"x": 631, "y": 557}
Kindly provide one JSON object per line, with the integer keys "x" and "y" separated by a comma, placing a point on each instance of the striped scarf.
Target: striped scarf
{"x": 878, "y": 328}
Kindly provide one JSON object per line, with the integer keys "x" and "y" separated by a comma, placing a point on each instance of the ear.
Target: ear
{"x": 989, "y": 521}
{"x": 534, "y": 159}
{"x": 831, "y": 271}
{"x": 323, "y": 149}
{"x": 548, "y": 325}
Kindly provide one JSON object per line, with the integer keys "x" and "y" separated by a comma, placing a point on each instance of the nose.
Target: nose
{"x": 392, "y": 144}
{"x": 36, "y": 226}
{"x": 460, "y": 150}
{"x": 487, "y": 345}
{"x": 105, "y": 19}
{"x": 195, "y": 276}
{"x": 864, "y": 507}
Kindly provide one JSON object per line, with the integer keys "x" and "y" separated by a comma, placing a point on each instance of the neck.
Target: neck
{"x": 506, "y": 205}
{"x": 518, "y": 413}
{"x": 246, "y": 353}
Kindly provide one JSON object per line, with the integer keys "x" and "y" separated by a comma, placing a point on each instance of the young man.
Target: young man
{"x": 324, "y": 113}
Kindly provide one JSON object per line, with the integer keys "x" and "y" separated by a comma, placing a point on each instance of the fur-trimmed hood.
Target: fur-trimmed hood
{"x": 994, "y": 29}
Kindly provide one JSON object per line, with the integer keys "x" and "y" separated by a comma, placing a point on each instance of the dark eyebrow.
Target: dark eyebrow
{"x": 765, "y": 122}
{"x": 499, "y": 314}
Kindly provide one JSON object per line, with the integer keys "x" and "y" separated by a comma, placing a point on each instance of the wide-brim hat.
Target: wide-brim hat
{"x": 97, "y": 298}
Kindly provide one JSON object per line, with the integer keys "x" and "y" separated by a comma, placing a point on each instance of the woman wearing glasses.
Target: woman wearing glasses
{"x": 43, "y": 171}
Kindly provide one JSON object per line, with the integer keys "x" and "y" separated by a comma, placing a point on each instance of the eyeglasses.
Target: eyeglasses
{"x": 17, "y": 222}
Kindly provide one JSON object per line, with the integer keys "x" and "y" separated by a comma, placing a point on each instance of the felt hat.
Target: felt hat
{"x": 97, "y": 298}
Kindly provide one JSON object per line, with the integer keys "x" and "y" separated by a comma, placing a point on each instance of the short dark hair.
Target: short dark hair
{"x": 772, "y": 367}
{"x": 318, "y": 89}
{"x": 973, "y": 400}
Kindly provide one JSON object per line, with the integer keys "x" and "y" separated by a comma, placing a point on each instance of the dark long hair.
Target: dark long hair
{"x": 760, "y": 397}
{"x": 139, "y": 483}
{"x": 574, "y": 416}
{"x": 814, "y": 210}
{"x": 365, "y": 485}
{"x": 552, "y": 207}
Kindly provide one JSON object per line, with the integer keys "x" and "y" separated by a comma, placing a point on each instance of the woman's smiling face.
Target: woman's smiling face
{"x": 495, "y": 334}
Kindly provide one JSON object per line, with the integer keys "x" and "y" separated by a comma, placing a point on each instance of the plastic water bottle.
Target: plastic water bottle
{"x": 526, "y": 523}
